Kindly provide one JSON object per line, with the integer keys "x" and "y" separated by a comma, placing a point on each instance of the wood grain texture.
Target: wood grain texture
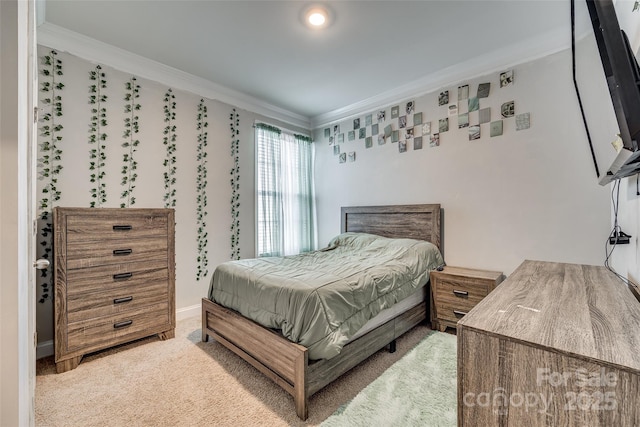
{"x": 395, "y": 221}
{"x": 287, "y": 363}
{"x": 456, "y": 290}
{"x": 89, "y": 311}
{"x": 563, "y": 336}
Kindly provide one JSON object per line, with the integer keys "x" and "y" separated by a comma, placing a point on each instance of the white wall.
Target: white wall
{"x": 529, "y": 194}
{"x": 74, "y": 178}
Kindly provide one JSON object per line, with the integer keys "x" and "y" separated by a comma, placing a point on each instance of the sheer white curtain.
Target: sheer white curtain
{"x": 286, "y": 222}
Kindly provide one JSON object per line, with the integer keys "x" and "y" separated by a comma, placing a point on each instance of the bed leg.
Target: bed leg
{"x": 205, "y": 335}
{"x": 392, "y": 346}
{"x": 300, "y": 387}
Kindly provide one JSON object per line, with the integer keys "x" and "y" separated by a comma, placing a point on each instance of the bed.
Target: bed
{"x": 288, "y": 364}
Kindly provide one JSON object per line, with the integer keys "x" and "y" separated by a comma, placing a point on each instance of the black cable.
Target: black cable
{"x": 575, "y": 84}
{"x": 615, "y": 233}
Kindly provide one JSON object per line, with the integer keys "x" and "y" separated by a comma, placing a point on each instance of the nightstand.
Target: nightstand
{"x": 456, "y": 290}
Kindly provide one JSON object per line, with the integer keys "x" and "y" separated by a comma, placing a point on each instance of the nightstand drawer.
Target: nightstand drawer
{"x": 454, "y": 312}
{"x": 457, "y": 289}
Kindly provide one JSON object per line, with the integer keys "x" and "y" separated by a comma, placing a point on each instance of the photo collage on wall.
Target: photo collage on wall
{"x": 412, "y": 130}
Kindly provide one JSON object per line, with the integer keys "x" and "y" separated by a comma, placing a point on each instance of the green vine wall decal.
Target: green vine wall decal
{"x": 97, "y": 136}
{"x": 235, "y": 185}
{"x": 169, "y": 142}
{"x": 201, "y": 186}
{"x": 49, "y": 163}
{"x": 130, "y": 144}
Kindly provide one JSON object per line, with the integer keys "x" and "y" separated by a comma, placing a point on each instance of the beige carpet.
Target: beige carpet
{"x": 185, "y": 382}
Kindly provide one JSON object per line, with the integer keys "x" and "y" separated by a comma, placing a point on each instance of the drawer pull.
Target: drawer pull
{"x": 459, "y": 313}
{"x": 122, "y": 228}
{"x": 123, "y": 299}
{"x": 460, "y": 293}
{"x": 119, "y": 325}
{"x": 118, "y": 252}
{"x": 122, "y": 276}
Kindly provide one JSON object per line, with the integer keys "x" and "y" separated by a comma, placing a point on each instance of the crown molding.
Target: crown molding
{"x": 64, "y": 40}
{"x": 495, "y": 61}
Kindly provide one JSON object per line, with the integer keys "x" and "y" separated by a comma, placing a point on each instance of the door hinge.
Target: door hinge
{"x": 35, "y": 339}
{"x": 36, "y": 114}
{"x": 35, "y": 227}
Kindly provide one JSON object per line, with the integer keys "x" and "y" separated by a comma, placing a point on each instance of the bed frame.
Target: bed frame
{"x": 287, "y": 363}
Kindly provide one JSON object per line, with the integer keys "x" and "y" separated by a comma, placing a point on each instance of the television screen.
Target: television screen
{"x": 607, "y": 78}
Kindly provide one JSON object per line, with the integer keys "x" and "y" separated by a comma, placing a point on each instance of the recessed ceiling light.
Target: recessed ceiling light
{"x": 317, "y": 17}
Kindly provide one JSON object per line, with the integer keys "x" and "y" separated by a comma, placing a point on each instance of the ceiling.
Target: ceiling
{"x": 262, "y": 49}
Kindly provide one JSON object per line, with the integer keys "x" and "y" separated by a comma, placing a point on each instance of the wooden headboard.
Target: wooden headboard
{"x": 395, "y": 221}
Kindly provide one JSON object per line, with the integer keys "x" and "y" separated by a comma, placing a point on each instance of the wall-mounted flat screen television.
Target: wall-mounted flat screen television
{"x": 604, "y": 59}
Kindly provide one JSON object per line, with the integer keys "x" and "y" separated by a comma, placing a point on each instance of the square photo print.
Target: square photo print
{"x": 368, "y": 119}
{"x": 402, "y": 146}
{"x": 417, "y": 143}
{"x": 495, "y": 128}
{"x": 410, "y": 107}
{"x": 443, "y": 98}
{"x": 506, "y": 78}
{"x": 474, "y": 132}
{"x": 508, "y": 109}
{"x": 523, "y": 121}
{"x": 443, "y": 125}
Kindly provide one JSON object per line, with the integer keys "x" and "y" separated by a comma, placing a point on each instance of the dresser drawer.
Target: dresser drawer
{"x": 98, "y": 228}
{"x": 118, "y": 276}
{"x": 115, "y": 301}
{"x": 82, "y": 254}
{"x": 116, "y": 329}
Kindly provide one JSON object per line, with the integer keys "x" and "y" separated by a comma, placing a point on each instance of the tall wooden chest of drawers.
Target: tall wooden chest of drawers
{"x": 114, "y": 274}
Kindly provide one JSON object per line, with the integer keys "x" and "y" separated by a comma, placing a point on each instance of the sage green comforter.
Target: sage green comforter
{"x": 322, "y": 298}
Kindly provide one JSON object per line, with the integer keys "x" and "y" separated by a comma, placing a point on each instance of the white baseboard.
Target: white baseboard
{"x": 45, "y": 348}
{"x": 187, "y": 312}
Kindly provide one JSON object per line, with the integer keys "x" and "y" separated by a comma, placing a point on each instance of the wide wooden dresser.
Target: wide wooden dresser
{"x": 114, "y": 275}
{"x": 554, "y": 345}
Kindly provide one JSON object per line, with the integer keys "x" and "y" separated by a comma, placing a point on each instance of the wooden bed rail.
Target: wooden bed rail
{"x": 279, "y": 359}
{"x": 287, "y": 363}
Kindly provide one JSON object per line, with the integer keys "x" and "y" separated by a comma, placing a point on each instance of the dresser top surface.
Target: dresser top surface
{"x": 577, "y": 309}
{"x": 468, "y": 272}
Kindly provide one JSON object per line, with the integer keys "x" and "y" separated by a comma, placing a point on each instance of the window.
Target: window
{"x": 286, "y": 222}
